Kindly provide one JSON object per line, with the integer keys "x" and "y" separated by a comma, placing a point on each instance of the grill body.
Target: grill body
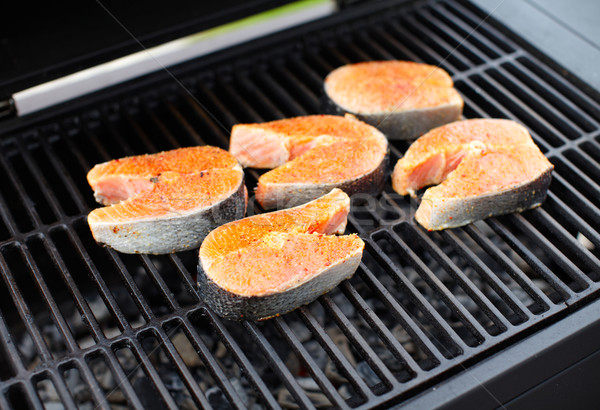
{"x": 86, "y": 326}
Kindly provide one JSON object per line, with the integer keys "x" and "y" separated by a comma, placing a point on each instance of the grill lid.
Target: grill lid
{"x": 55, "y": 41}
{"x": 86, "y": 326}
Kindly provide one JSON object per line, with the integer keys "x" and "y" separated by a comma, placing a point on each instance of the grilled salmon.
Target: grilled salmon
{"x": 311, "y": 156}
{"x": 403, "y": 99}
{"x": 269, "y": 264}
{"x": 484, "y": 167}
{"x": 165, "y": 202}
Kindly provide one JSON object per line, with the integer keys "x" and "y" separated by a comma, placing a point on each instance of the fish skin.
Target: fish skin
{"x": 312, "y": 155}
{"x": 237, "y": 284}
{"x": 437, "y": 214}
{"x": 274, "y": 195}
{"x": 233, "y": 307}
{"x": 421, "y": 106}
{"x": 178, "y": 209}
{"x": 483, "y": 168}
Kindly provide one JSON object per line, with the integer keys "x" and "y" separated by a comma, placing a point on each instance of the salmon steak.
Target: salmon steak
{"x": 165, "y": 202}
{"x": 403, "y": 99}
{"x": 270, "y": 264}
{"x": 311, "y": 155}
{"x": 481, "y": 168}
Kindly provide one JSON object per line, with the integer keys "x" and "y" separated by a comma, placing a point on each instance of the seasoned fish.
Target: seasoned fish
{"x": 484, "y": 167}
{"x": 269, "y": 264}
{"x": 312, "y": 155}
{"x": 403, "y": 99}
{"x": 165, "y": 202}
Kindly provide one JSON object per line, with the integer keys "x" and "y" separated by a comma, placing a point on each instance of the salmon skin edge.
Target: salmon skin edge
{"x": 232, "y": 306}
{"x": 523, "y": 197}
{"x": 402, "y": 124}
{"x": 288, "y": 194}
{"x": 144, "y": 239}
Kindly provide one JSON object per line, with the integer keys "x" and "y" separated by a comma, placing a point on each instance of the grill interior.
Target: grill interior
{"x": 86, "y": 326}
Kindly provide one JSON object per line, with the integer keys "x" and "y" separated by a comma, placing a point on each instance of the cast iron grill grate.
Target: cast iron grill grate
{"x": 85, "y": 326}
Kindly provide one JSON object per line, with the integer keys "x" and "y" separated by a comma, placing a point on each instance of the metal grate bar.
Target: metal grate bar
{"x": 134, "y": 290}
{"x": 64, "y": 175}
{"x": 3, "y": 401}
{"x": 7, "y": 218}
{"x": 150, "y": 147}
{"x": 317, "y": 374}
{"x": 157, "y": 279}
{"x": 585, "y": 105}
{"x": 23, "y": 310}
{"x": 211, "y": 363}
{"x": 121, "y": 379}
{"x": 574, "y": 220}
{"x": 359, "y": 343}
{"x": 532, "y": 99}
{"x": 90, "y": 381}
{"x": 280, "y": 95}
{"x": 541, "y": 269}
{"x": 215, "y": 125}
{"x": 151, "y": 372}
{"x": 247, "y": 367}
{"x": 31, "y": 396}
{"x": 397, "y": 47}
{"x": 523, "y": 110}
{"x": 13, "y": 358}
{"x": 278, "y": 366}
{"x": 21, "y": 192}
{"x": 112, "y": 134}
{"x": 357, "y": 53}
{"x": 296, "y": 85}
{"x": 184, "y": 124}
{"x": 445, "y": 18}
{"x": 559, "y": 258}
{"x": 566, "y": 239}
{"x": 583, "y": 205}
{"x": 174, "y": 356}
{"x": 160, "y": 125}
{"x": 382, "y": 331}
{"x": 339, "y": 359}
{"x": 57, "y": 316}
{"x": 499, "y": 287}
{"x": 189, "y": 283}
{"x": 261, "y": 100}
{"x": 479, "y": 20}
{"x": 457, "y": 55}
{"x": 226, "y": 122}
{"x": 468, "y": 320}
{"x": 101, "y": 286}
{"x": 402, "y": 316}
{"x": 503, "y": 112}
{"x": 592, "y": 185}
{"x": 428, "y": 55}
{"x": 375, "y": 49}
{"x": 478, "y": 297}
{"x": 82, "y": 306}
{"x": 61, "y": 389}
{"x": 249, "y": 113}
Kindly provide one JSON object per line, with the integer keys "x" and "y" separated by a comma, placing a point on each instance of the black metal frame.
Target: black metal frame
{"x": 453, "y": 293}
{"x": 552, "y": 378}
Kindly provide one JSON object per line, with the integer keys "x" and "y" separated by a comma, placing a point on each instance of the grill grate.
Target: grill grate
{"x": 88, "y": 327}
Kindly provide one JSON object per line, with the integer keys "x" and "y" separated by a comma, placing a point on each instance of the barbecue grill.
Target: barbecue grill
{"x": 495, "y": 311}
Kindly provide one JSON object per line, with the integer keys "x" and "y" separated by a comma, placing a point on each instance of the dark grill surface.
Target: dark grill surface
{"x": 86, "y": 326}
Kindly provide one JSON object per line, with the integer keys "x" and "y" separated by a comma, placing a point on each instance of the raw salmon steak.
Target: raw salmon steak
{"x": 484, "y": 167}
{"x": 269, "y": 264}
{"x": 311, "y": 156}
{"x": 165, "y": 202}
{"x": 403, "y": 99}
